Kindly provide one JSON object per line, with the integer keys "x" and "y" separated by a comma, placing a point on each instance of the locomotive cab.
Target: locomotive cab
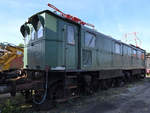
{"x": 33, "y": 33}
{"x": 50, "y": 40}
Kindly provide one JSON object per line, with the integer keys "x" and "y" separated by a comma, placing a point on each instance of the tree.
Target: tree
{"x": 21, "y": 45}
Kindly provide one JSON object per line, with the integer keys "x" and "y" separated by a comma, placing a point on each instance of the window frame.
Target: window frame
{"x": 88, "y": 57}
{"x": 39, "y": 26}
{"x": 27, "y": 37}
{"x": 129, "y": 51}
{"x": 72, "y": 42}
{"x": 35, "y": 33}
{"x": 133, "y": 53}
{"x": 116, "y": 49}
{"x": 143, "y": 55}
{"x": 93, "y": 37}
{"x": 139, "y": 53}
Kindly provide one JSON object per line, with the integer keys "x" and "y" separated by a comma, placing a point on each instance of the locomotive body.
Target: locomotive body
{"x": 62, "y": 44}
{"x": 70, "y": 58}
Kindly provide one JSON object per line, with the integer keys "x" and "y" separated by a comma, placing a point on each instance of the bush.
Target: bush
{"x": 9, "y": 107}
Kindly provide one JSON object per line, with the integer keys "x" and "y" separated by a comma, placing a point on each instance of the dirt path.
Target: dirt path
{"x": 135, "y": 100}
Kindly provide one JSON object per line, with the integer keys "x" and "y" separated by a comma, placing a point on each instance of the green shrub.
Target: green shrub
{"x": 9, "y": 107}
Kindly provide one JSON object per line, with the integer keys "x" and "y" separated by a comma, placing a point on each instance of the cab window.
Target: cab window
{"x": 70, "y": 35}
{"x": 39, "y": 30}
{"x": 89, "y": 40}
{"x": 27, "y": 38}
{"x": 33, "y": 34}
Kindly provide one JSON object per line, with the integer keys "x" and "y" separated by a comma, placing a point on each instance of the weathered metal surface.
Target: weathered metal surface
{"x": 105, "y": 56}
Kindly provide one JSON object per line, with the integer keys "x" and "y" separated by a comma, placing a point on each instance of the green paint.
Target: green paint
{"x": 54, "y": 51}
{"x": 51, "y": 23}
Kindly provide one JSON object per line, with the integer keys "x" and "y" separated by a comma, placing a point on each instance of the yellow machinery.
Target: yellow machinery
{"x": 11, "y": 57}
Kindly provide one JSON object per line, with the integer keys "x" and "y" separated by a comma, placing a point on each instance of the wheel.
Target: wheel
{"x": 13, "y": 88}
{"x": 28, "y": 96}
{"x": 48, "y": 102}
{"x": 129, "y": 77}
{"x": 41, "y": 95}
{"x": 103, "y": 84}
{"x": 91, "y": 84}
{"x": 110, "y": 83}
{"x": 119, "y": 82}
{"x": 57, "y": 92}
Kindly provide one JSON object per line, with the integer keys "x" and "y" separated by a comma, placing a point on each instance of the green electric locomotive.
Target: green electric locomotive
{"x": 64, "y": 58}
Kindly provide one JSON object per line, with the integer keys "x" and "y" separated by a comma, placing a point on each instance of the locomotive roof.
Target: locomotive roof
{"x": 111, "y": 38}
{"x": 54, "y": 14}
{"x": 84, "y": 27}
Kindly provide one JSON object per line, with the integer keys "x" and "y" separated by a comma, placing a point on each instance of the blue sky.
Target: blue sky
{"x": 111, "y": 17}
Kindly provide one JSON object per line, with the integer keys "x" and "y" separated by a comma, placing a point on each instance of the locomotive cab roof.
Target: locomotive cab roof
{"x": 36, "y": 17}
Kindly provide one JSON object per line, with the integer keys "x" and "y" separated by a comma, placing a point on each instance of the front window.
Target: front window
{"x": 40, "y": 30}
{"x": 33, "y": 34}
{"x": 27, "y": 38}
{"x": 90, "y": 40}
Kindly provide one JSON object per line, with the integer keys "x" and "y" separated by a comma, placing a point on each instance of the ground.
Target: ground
{"x": 131, "y": 98}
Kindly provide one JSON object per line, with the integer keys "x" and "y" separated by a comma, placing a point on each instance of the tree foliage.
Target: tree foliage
{"x": 21, "y": 45}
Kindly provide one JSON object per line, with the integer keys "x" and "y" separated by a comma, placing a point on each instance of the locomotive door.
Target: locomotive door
{"x": 71, "y": 47}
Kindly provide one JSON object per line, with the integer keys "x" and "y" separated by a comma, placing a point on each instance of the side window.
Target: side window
{"x": 87, "y": 57}
{"x": 129, "y": 51}
{"x": 89, "y": 40}
{"x": 134, "y": 53}
{"x": 143, "y": 56}
{"x": 33, "y": 33}
{"x": 125, "y": 50}
{"x": 117, "y": 48}
{"x": 139, "y": 54}
{"x": 40, "y": 30}
{"x": 70, "y": 35}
